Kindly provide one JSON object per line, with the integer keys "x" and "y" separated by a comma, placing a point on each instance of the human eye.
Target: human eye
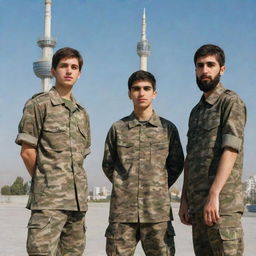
{"x": 135, "y": 88}
{"x": 147, "y": 88}
{"x": 200, "y": 65}
{"x": 210, "y": 64}
{"x": 75, "y": 67}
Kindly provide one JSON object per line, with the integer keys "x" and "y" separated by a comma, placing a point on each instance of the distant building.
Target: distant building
{"x": 143, "y": 46}
{"x": 250, "y": 188}
{"x": 99, "y": 193}
{"x": 42, "y": 67}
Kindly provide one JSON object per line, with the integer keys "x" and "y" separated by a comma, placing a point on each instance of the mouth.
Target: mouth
{"x": 205, "y": 78}
{"x": 68, "y": 78}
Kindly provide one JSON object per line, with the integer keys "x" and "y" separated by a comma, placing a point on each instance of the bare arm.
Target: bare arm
{"x": 29, "y": 154}
{"x": 211, "y": 208}
{"x": 183, "y": 211}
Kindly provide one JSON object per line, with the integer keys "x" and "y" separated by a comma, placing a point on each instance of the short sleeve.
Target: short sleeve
{"x": 234, "y": 119}
{"x": 30, "y": 125}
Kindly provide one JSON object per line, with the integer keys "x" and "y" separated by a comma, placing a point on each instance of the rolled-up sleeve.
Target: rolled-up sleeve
{"x": 30, "y": 125}
{"x": 234, "y": 120}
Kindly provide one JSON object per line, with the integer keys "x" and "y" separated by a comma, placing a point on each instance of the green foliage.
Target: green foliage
{"x": 17, "y": 188}
{"x": 6, "y": 190}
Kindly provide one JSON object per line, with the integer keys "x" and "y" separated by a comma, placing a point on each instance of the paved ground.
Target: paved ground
{"x": 14, "y": 217}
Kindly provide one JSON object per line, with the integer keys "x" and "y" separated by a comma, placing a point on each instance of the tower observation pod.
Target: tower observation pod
{"x": 42, "y": 67}
{"x": 143, "y": 47}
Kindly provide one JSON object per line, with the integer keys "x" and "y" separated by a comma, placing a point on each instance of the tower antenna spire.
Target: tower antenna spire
{"x": 42, "y": 67}
{"x": 143, "y": 47}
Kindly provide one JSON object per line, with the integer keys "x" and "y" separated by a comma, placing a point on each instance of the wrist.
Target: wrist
{"x": 214, "y": 193}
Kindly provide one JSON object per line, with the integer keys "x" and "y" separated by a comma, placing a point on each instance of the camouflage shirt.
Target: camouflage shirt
{"x": 215, "y": 122}
{"x": 62, "y": 139}
{"x": 142, "y": 161}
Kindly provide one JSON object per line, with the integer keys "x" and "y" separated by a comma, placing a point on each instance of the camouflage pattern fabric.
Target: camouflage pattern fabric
{"x": 62, "y": 140}
{"x": 142, "y": 162}
{"x": 215, "y": 122}
{"x": 44, "y": 229}
{"x": 169, "y": 238}
{"x": 225, "y": 238}
{"x": 122, "y": 239}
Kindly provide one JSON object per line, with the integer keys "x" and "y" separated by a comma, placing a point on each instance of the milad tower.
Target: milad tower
{"x": 143, "y": 47}
{"x": 42, "y": 67}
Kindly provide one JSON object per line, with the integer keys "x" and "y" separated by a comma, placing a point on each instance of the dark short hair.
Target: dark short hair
{"x": 64, "y": 53}
{"x": 141, "y": 75}
{"x": 210, "y": 49}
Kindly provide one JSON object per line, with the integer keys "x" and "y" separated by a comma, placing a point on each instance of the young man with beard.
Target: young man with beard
{"x": 143, "y": 157}
{"x": 54, "y": 135}
{"x": 212, "y": 195}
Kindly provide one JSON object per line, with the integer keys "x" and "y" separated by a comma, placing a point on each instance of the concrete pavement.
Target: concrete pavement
{"x": 14, "y": 218}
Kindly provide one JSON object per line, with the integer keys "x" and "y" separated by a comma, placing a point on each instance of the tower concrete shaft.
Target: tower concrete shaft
{"x": 42, "y": 67}
{"x": 143, "y": 47}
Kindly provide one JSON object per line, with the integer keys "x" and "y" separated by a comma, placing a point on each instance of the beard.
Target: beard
{"x": 207, "y": 85}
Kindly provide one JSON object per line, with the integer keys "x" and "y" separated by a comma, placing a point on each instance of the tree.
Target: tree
{"x": 18, "y": 188}
{"x": 6, "y": 190}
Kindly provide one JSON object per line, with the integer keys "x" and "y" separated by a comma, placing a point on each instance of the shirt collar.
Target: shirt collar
{"x": 154, "y": 120}
{"x": 57, "y": 100}
{"x": 214, "y": 96}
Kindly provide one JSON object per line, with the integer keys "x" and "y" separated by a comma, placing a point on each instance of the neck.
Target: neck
{"x": 64, "y": 92}
{"x": 143, "y": 114}
{"x": 207, "y": 94}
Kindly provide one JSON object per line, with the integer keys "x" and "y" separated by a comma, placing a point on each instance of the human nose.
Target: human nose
{"x": 141, "y": 92}
{"x": 205, "y": 69}
{"x": 68, "y": 70}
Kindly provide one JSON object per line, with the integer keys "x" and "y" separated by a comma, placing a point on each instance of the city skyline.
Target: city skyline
{"x": 106, "y": 33}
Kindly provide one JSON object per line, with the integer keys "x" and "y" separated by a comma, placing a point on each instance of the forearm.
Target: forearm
{"x": 211, "y": 208}
{"x": 108, "y": 172}
{"x": 185, "y": 182}
{"x": 29, "y": 155}
{"x": 225, "y": 166}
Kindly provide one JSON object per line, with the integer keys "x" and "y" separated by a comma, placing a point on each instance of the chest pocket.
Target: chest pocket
{"x": 82, "y": 140}
{"x": 125, "y": 151}
{"x": 158, "y": 153}
{"x": 55, "y": 137}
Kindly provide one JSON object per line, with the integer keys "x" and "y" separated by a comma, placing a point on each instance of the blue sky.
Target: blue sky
{"x": 106, "y": 33}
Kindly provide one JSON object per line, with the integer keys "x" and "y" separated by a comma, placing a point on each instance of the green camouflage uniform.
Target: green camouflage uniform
{"x": 142, "y": 161}
{"x": 61, "y": 134}
{"x": 216, "y": 122}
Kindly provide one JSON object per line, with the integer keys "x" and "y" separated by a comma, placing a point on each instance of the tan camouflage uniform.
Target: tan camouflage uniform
{"x": 216, "y": 122}
{"x": 61, "y": 134}
{"x": 142, "y": 161}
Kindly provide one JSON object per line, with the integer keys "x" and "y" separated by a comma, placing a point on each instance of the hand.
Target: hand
{"x": 183, "y": 212}
{"x": 211, "y": 210}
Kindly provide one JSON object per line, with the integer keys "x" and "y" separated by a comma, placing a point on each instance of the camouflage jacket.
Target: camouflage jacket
{"x": 62, "y": 139}
{"x": 142, "y": 161}
{"x": 215, "y": 122}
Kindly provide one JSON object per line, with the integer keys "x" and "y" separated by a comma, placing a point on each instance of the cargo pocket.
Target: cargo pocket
{"x": 112, "y": 235}
{"x": 232, "y": 240}
{"x": 38, "y": 234}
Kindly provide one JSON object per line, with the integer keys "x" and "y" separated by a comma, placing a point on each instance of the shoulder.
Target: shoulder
{"x": 167, "y": 124}
{"x": 39, "y": 98}
{"x": 231, "y": 97}
{"x": 122, "y": 122}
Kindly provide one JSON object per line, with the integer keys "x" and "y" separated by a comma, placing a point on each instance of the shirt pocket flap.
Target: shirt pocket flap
{"x": 124, "y": 144}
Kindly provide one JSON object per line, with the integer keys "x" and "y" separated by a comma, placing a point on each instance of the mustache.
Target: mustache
{"x": 204, "y": 76}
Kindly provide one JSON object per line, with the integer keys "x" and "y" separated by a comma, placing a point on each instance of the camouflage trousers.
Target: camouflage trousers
{"x": 54, "y": 232}
{"x": 224, "y": 238}
{"x": 156, "y": 238}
